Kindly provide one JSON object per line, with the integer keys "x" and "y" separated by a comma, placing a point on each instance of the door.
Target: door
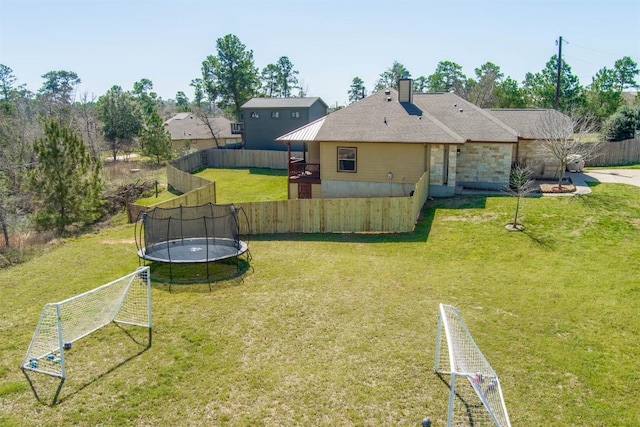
{"x": 304, "y": 190}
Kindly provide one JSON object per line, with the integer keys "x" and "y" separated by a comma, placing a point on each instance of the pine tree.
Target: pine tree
{"x": 66, "y": 180}
{"x": 156, "y": 140}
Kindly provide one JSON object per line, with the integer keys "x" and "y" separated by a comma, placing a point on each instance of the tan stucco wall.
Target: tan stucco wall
{"x": 484, "y": 163}
{"x": 537, "y": 158}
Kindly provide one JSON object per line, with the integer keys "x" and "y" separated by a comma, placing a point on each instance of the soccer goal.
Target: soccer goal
{"x": 124, "y": 301}
{"x": 475, "y": 396}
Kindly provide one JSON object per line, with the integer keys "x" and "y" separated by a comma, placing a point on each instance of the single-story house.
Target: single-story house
{"x": 265, "y": 119}
{"x": 383, "y": 144}
{"x": 188, "y": 131}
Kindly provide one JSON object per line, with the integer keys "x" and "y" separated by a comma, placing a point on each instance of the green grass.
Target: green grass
{"x": 247, "y": 185}
{"x": 238, "y": 185}
{"x": 332, "y": 330}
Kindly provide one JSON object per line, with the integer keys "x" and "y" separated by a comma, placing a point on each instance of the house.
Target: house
{"x": 382, "y": 145}
{"x": 188, "y": 131}
{"x": 265, "y": 119}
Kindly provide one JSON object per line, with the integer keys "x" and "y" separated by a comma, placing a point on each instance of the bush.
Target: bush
{"x": 623, "y": 124}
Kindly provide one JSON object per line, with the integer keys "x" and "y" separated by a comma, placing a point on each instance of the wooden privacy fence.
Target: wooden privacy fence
{"x": 349, "y": 215}
{"x": 617, "y": 153}
{"x": 378, "y": 214}
{"x": 220, "y": 158}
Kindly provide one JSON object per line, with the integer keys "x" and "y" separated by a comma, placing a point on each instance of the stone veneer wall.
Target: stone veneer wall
{"x": 537, "y": 158}
{"x": 484, "y": 164}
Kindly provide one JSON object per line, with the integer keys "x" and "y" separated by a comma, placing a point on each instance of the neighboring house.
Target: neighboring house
{"x": 189, "y": 132}
{"x": 265, "y": 119}
{"x": 382, "y": 145}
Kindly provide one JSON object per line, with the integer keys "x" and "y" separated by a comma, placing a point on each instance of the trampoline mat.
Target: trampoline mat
{"x": 193, "y": 250}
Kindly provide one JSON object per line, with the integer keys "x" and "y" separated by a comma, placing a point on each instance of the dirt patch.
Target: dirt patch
{"x": 118, "y": 242}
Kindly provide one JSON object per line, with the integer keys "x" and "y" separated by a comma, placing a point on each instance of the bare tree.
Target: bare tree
{"x": 209, "y": 122}
{"x": 521, "y": 184}
{"x": 562, "y": 138}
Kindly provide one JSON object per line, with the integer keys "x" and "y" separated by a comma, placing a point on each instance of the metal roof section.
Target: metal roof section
{"x": 305, "y": 133}
{"x": 305, "y": 102}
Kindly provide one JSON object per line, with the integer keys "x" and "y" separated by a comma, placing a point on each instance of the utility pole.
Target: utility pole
{"x": 557, "y": 100}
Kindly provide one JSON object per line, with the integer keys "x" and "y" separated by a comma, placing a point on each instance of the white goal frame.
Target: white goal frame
{"x": 124, "y": 301}
{"x": 461, "y": 357}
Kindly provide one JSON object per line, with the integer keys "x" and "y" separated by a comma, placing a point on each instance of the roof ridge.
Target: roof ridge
{"x": 445, "y": 128}
{"x": 494, "y": 119}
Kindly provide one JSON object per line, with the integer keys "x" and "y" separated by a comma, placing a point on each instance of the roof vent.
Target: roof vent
{"x": 388, "y": 99}
{"x": 461, "y": 110}
{"x": 387, "y": 91}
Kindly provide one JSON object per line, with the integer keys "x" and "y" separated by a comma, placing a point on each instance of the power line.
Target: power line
{"x": 594, "y": 50}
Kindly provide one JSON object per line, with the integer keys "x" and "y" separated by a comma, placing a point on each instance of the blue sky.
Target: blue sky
{"x": 109, "y": 42}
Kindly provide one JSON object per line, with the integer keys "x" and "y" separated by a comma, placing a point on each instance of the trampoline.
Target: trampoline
{"x": 190, "y": 235}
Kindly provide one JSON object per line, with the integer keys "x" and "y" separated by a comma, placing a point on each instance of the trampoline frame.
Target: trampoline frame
{"x": 180, "y": 245}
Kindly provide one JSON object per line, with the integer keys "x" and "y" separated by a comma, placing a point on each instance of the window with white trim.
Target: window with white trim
{"x": 347, "y": 157}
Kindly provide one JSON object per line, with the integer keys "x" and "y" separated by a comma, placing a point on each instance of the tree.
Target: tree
{"x": 121, "y": 119}
{"x": 286, "y": 76}
{"x": 357, "y": 90}
{"x": 625, "y": 71}
{"x": 66, "y": 180}
{"x": 147, "y": 99}
{"x": 155, "y": 139}
{"x": 87, "y": 112}
{"x": 483, "y": 91}
{"x": 390, "y": 77}
{"x": 231, "y": 75}
{"x": 7, "y": 79}
{"x": 509, "y": 94}
{"x": 56, "y": 94}
{"x": 521, "y": 184}
{"x": 561, "y": 137}
{"x": 198, "y": 92}
{"x": 182, "y": 102}
{"x": 59, "y": 86}
{"x": 209, "y": 123}
{"x": 270, "y": 80}
{"x": 603, "y": 97}
{"x": 420, "y": 84}
{"x": 623, "y": 124}
{"x": 448, "y": 77}
{"x": 541, "y": 88}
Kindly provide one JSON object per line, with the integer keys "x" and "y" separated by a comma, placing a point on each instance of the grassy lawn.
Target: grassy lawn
{"x": 238, "y": 185}
{"x": 330, "y": 330}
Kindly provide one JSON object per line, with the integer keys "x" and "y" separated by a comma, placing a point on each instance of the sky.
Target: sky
{"x": 119, "y": 42}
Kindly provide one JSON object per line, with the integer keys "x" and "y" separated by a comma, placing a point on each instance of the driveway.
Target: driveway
{"x": 620, "y": 176}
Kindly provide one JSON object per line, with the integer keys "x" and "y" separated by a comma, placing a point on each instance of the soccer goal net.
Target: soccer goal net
{"x": 125, "y": 301}
{"x": 475, "y": 396}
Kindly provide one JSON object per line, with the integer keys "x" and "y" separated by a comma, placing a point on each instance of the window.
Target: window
{"x": 275, "y": 114}
{"x": 295, "y": 114}
{"x": 346, "y": 159}
{"x": 255, "y": 115}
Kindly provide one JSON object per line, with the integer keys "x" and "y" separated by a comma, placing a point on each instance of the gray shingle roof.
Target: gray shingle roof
{"x": 527, "y": 120}
{"x": 188, "y": 126}
{"x": 282, "y": 102}
{"x": 431, "y": 118}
